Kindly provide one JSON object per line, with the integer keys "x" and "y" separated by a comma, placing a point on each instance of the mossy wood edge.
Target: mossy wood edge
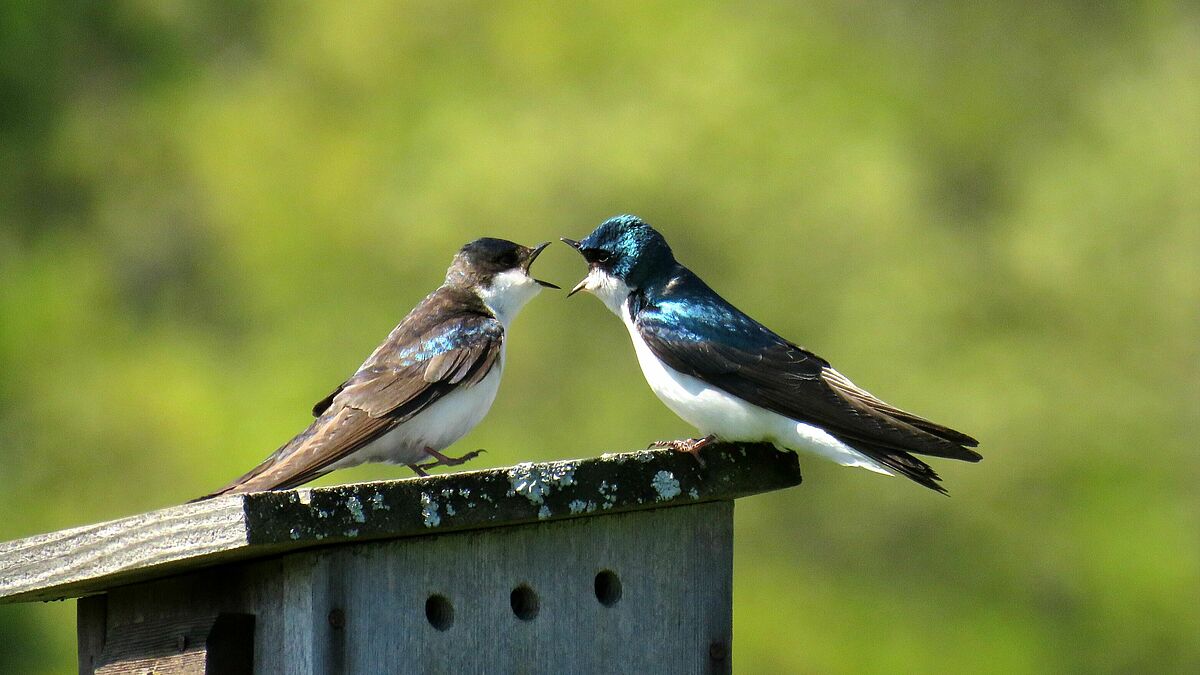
{"x": 90, "y": 559}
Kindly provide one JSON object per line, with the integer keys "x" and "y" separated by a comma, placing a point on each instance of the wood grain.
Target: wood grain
{"x": 219, "y": 645}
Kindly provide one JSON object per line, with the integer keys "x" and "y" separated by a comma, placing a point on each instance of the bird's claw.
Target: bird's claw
{"x": 692, "y": 446}
{"x": 444, "y": 460}
{"x": 455, "y": 461}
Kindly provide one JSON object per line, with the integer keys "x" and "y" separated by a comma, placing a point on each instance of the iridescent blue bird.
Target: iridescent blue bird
{"x": 734, "y": 379}
{"x": 426, "y": 386}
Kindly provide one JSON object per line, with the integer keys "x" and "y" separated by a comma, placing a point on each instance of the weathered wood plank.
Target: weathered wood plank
{"x": 91, "y": 625}
{"x": 90, "y": 559}
{"x": 50, "y": 566}
{"x": 194, "y": 644}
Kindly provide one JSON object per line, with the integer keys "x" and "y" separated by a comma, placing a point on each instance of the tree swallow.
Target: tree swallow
{"x": 426, "y": 386}
{"x": 735, "y": 380}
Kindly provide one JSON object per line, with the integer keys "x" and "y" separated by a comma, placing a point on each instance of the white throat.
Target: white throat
{"x": 611, "y": 290}
{"x": 508, "y": 293}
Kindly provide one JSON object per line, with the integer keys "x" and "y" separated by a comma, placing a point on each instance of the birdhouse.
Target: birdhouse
{"x": 621, "y": 563}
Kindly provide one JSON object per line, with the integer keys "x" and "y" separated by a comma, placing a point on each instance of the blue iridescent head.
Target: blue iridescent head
{"x": 624, "y": 249}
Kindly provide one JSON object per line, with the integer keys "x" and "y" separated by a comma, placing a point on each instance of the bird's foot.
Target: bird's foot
{"x": 446, "y": 460}
{"x": 692, "y": 446}
{"x": 419, "y": 470}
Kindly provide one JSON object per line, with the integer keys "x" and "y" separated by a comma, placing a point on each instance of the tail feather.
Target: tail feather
{"x": 253, "y": 481}
{"x": 244, "y": 484}
{"x": 902, "y": 463}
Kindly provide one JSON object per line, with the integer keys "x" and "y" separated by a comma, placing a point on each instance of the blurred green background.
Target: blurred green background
{"x": 211, "y": 212}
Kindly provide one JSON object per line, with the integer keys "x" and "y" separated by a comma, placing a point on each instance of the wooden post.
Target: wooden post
{"x": 621, "y": 563}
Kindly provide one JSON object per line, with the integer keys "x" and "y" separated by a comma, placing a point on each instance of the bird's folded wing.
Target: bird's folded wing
{"x": 400, "y": 380}
{"x": 327, "y": 440}
{"x": 750, "y": 362}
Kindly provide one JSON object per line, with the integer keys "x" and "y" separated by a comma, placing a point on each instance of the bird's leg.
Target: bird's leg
{"x": 692, "y": 446}
{"x": 418, "y": 469}
{"x": 445, "y": 460}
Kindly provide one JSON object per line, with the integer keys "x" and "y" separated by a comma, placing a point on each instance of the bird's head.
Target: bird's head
{"x": 497, "y": 270}
{"x": 622, "y": 254}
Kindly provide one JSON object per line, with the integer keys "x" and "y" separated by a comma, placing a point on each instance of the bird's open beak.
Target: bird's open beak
{"x": 583, "y": 282}
{"x": 533, "y": 254}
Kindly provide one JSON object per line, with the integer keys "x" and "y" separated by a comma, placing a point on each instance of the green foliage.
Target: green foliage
{"x": 209, "y": 215}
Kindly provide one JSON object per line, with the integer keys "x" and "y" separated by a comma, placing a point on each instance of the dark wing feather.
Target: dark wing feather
{"x": 329, "y": 438}
{"x": 848, "y": 390}
{"x": 716, "y": 343}
{"x": 323, "y": 405}
{"x": 404, "y": 376}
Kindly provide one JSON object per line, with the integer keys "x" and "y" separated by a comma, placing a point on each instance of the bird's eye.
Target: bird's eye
{"x": 596, "y": 256}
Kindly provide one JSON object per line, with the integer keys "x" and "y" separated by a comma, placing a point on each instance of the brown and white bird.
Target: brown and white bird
{"x": 425, "y": 387}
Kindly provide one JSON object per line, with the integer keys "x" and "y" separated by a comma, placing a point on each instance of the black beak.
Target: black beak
{"x": 533, "y": 254}
{"x": 575, "y": 245}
